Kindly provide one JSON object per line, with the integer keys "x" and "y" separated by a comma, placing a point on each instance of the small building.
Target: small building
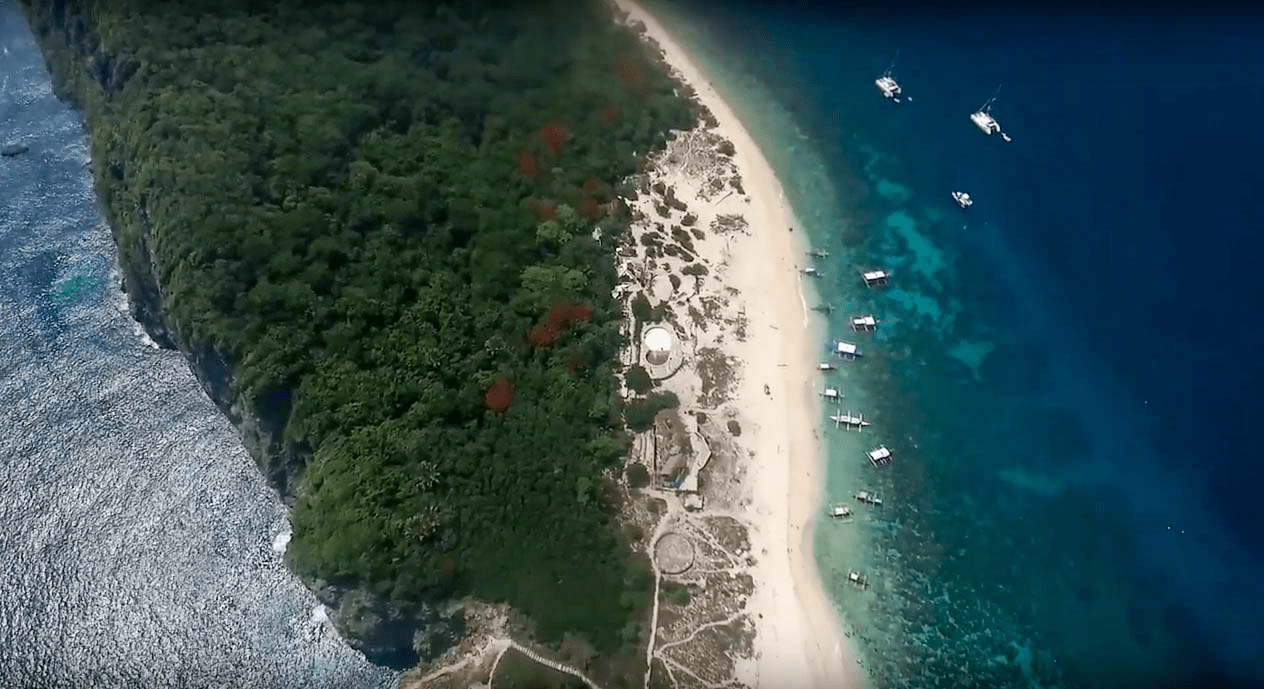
{"x": 693, "y": 502}
{"x": 658, "y": 345}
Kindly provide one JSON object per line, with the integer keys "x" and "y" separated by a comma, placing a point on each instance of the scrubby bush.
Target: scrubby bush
{"x": 638, "y": 380}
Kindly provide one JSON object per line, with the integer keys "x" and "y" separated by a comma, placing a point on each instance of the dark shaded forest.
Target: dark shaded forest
{"x": 381, "y": 216}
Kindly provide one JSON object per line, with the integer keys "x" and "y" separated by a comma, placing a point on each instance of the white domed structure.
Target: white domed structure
{"x": 658, "y": 345}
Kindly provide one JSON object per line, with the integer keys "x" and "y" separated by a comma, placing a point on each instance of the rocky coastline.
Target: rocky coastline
{"x": 84, "y": 75}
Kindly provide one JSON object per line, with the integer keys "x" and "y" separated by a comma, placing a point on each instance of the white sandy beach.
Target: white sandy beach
{"x": 799, "y": 639}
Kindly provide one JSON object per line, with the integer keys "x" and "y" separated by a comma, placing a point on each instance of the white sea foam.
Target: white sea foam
{"x": 281, "y": 541}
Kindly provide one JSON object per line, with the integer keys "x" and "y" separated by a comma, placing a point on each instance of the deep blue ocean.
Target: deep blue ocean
{"x": 1069, "y": 371}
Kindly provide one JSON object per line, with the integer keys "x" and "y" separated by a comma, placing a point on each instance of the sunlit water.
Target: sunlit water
{"x": 140, "y": 546}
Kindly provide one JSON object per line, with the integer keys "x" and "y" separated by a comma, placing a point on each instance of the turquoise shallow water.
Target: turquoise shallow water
{"x": 1042, "y": 527}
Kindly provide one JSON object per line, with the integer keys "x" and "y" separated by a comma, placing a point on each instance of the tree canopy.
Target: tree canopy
{"x": 381, "y": 215}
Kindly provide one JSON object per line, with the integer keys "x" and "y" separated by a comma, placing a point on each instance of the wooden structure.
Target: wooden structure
{"x": 868, "y": 498}
{"x": 876, "y": 278}
{"x": 879, "y": 456}
{"x": 864, "y": 324}
{"x": 847, "y": 351}
{"x": 849, "y": 420}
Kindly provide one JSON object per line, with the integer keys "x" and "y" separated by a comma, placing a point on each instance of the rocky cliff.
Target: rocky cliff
{"x": 86, "y": 75}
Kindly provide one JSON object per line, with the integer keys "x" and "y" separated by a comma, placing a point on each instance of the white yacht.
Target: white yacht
{"x": 963, "y": 199}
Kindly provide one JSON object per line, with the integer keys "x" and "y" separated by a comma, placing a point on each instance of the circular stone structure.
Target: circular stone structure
{"x": 673, "y": 553}
{"x": 658, "y": 345}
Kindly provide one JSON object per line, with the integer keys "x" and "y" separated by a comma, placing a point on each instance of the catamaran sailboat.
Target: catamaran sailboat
{"x": 963, "y": 199}
{"x": 887, "y": 85}
{"x": 985, "y": 122}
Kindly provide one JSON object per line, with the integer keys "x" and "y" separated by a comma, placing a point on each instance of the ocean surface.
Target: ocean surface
{"x": 1068, "y": 372}
{"x": 139, "y": 546}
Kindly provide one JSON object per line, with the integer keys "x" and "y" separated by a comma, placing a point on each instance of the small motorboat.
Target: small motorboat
{"x": 963, "y": 199}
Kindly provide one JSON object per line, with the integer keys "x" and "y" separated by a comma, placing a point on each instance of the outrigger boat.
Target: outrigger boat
{"x": 847, "y": 351}
{"x": 864, "y": 324}
{"x": 876, "y": 278}
{"x": 840, "y": 511}
{"x": 824, "y": 308}
{"x": 868, "y": 498}
{"x": 963, "y": 199}
{"x": 818, "y": 253}
{"x": 879, "y": 456}
{"x": 826, "y": 367}
{"x": 858, "y": 579}
{"x": 831, "y": 394}
{"x": 812, "y": 272}
{"x": 849, "y": 420}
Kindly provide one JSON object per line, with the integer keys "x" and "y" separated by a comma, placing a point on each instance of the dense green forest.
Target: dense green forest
{"x": 382, "y": 216}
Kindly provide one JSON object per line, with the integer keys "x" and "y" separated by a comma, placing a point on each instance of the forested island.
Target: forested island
{"x": 382, "y": 233}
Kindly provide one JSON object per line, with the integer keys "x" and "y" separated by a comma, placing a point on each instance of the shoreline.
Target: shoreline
{"x": 807, "y": 648}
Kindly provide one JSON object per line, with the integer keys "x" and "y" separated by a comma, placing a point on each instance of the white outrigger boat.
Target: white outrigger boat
{"x": 858, "y": 579}
{"x": 826, "y": 367}
{"x": 840, "y": 512}
{"x": 887, "y": 85}
{"x": 963, "y": 199}
{"x": 811, "y": 271}
{"x": 868, "y": 498}
{"x": 875, "y": 278}
{"x": 831, "y": 394}
{"x": 864, "y": 324}
{"x": 879, "y": 456}
{"x": 847, "y": 351}
{"x": 850, "y": 420}
{"x": 818, "y": 253}
{"x": 985, "y": 122}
